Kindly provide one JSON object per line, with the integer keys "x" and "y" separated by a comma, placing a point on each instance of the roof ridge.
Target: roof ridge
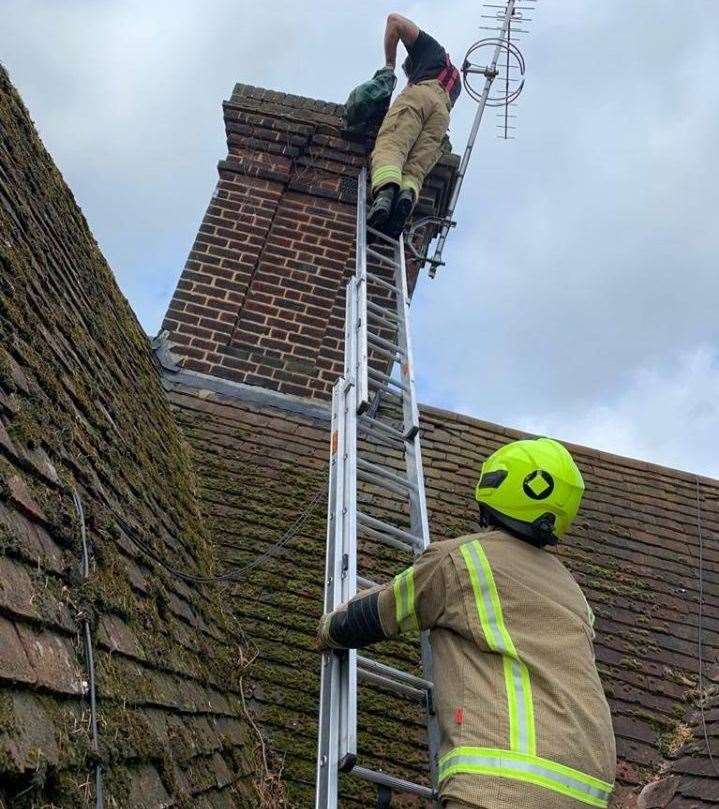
{"x": 604, "y": 455}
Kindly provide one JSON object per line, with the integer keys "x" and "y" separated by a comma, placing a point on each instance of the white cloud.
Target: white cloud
{"x": 668, "y": 412}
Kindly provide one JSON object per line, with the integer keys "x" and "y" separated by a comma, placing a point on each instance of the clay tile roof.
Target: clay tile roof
{"x": 633, "y": 550}
{"x": 690, "y": 779}
{"x": 82, "y": 408}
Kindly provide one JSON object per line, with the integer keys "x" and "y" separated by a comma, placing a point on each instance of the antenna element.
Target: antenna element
{"x": 503, "y": 83}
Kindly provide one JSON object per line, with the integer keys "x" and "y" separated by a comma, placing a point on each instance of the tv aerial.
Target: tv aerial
{"x": 503, "y": 83}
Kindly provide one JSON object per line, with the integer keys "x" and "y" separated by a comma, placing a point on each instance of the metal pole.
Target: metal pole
{"x": 490, "y": 73}
{"x": 419, "y": 521}
{"x": 359, "y": 324}
{"x": 330, "y": 686}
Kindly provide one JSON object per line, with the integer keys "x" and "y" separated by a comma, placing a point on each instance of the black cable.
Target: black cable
{"x": 89, "y": 657}
{"x": 702, "y": 711}
{"x": 234, "y": 573}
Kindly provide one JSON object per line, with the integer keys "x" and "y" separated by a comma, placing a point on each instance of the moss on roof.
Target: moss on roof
{"x": 82, "y": 408}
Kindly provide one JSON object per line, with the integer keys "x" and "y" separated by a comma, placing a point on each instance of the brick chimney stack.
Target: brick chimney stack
{"x": 261, "y": 298}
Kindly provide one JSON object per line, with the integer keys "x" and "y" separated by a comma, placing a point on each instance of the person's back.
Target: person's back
{"x": 523, "y": 717}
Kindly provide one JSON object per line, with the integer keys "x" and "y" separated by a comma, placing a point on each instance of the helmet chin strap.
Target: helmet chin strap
{"x": 544, "y": 530}
{"x": 538, "y": 533}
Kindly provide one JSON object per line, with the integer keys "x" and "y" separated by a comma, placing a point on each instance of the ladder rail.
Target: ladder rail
{"x": 409, "y": 403}
{"x": 348, "y": 715}
{"x": 360, "y": 332}
{"x": 330, "y": 678}
{"x": 347, "y": 752}
{"x": 419, "y": 520}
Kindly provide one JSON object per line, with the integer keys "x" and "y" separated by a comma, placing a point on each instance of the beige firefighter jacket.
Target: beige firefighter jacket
{"x": 523, "y": 718}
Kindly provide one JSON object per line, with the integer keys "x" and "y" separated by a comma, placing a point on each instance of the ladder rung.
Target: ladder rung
{"x": 415, "y": 694}
{"x": 383, "y": 438}
{"x": 383, "y": 527}
{"x": 377, "y": 280}
{"x": 391, "y": 355}
{"x": 388, "y": 325}
{"x": 380, "y": 471}
{"x": 376, "y": 424}
{"x": 383, "y": 483}
{"x": 381, "y": 257}
{"x": 397, "y": 674}
{"x": 393, "y": 783}
{"x": 388, "y": 380}
{"x": 382, "y": 236}
{"x": 370, "y": 533}
{"x": 365, "y": 584}
{"x": 381, "y": 311}
{"x": 385, "y": 391}
{"x": 380, "y": 342}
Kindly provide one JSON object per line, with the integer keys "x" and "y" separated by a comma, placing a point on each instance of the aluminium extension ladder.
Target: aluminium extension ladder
{"x": 352, "y": 415}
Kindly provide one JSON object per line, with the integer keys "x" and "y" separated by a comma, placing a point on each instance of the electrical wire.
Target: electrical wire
{"x": 702, "y": 711}
{"x": 89, "y": 657}
{"x": 233, "y": 573}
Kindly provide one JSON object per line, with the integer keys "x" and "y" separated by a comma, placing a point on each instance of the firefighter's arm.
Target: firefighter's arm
{"x": 413, "y": 600}
{"x": 398, "y": 27}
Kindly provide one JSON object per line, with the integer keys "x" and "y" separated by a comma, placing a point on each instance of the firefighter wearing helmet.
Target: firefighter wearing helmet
{"x": 522, "y": 714}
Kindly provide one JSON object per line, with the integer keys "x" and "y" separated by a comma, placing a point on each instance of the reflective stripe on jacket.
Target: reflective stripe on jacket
{"x": 523, "y": 718}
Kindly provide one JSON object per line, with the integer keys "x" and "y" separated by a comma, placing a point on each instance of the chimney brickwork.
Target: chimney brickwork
{"x": 261, "y": 298}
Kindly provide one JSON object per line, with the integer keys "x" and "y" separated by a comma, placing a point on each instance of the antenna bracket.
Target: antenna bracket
{"x": 488, "y": 71}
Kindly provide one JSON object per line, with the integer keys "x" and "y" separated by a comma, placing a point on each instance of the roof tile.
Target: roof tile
{"x": 14, "y": 662}
{"x": 53, "y": 659}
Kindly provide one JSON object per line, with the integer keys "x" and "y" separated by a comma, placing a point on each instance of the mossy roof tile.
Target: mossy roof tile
{"x": 634, "y": 551}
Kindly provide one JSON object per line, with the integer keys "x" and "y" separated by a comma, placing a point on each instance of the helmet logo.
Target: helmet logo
{"x": 538, "y": 485}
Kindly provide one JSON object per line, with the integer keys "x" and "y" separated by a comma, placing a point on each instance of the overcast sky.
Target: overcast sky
{"x": 580, "y": 297}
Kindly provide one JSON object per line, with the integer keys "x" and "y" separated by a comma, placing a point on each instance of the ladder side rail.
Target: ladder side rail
{"x": 419, "y": 522}
{"x": 490, "y": 75}
{"x": 362, "y": 359}
{"x": 410, "y": 410}
{"x": 330, "y": 679}
{"x": 350, "y": 337}
{"x": 347, "y": 751}
{"x": 348, "y": 717}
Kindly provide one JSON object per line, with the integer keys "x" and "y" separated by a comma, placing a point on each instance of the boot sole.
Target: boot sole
{"x": 378, "y": 219}
{"x": 399, "y": 218}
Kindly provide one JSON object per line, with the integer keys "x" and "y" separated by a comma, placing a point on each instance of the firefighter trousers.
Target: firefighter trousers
{"x": 410, "y": 138}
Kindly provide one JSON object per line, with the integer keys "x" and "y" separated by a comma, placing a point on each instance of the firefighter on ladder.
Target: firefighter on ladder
{"x": 410, "y": 139}
{"x": 522, "y": 714}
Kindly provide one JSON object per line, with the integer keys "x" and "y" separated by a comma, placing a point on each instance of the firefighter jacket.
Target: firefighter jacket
{"x": 523, "y": 719}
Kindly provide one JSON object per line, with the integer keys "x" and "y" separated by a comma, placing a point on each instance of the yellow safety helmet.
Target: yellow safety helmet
{"x": 533, "y": 488}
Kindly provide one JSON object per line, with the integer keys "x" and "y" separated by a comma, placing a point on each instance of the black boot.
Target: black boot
{"x": 403, "y": 204}
{"x": 381, "y": 206}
